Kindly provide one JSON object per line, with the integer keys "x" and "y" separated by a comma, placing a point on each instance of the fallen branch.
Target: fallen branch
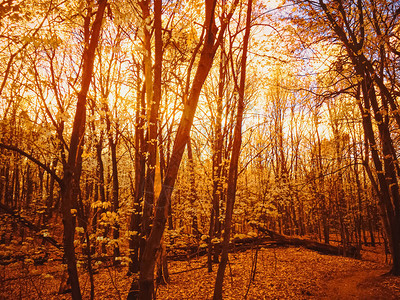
{"x": 33, "y": 159}
{"x": 38, "y": 259}
{"x": 21, "y": 220}
{"x": 183, "y": 253}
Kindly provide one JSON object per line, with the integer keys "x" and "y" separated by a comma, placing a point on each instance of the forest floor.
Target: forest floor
{"x": 281, "y": 273}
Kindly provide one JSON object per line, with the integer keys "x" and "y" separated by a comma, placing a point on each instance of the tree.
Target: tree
{"x": 72, "y": 169}
{"x": 211, "y": 44}
{"x": 349, "y": 25}
{"x": 233, "y": 165}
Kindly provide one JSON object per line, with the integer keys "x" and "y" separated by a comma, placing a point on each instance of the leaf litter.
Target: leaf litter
{"x": 281, "y": 273}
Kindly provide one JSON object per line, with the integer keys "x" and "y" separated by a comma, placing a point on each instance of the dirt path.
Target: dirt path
{"x": 365, "y": 284}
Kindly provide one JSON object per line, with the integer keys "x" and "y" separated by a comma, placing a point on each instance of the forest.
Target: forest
{"x": 217, "y": 149}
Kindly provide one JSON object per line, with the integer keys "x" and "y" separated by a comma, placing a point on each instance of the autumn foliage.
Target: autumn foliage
{"x": 144, "y": 145}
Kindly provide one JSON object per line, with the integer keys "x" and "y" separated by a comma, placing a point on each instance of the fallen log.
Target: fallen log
{"x": 38, "y": 258}
{"x": 21, "y": 220}
{"x": 349, "y": 251}
{"x": 187, "y": 252}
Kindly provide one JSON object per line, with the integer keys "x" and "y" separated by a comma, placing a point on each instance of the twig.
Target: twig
{"x": 252, "y": 271}
{"x": 114, "y": 285}
{"x": 37, "y": 290}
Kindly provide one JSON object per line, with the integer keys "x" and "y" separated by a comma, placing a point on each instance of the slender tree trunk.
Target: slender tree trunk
{"x": 115, "y": 195}
{"x": 360, "y": 222}
{"x": 29, "y": 187}
{"x": 192, "y": 193}
{"x": 140, "y": 167}
{"x": 153, "y": 99}
{"x": 50, "y": 196}
{"x": 100, "y": 173}
{"x": 233, "y": 166}
{"x": 218, "y": 190}
{"x": 146, "y": 280}
{"x": 70, "y": 181}
{"x": 152, "y": 113}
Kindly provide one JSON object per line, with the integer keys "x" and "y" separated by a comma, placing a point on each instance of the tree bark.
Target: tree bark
{"x": 349, "y": 251}
{"x": 152, "y": 113}
{"x": 193, "y": 198}
{"x": 233, "y": 166}
{"x": 71, "y": 178}
{"x": 146, "y": 280}
{"x": 217, "y": 174}
{"x": 140, "y": 169}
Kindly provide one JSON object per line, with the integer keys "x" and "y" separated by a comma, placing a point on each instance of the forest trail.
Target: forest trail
{"x": 363, "y": 284}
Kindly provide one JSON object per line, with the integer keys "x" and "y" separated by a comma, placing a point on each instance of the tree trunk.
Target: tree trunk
{"x": 151, "y": 135}
{"x": 386, "y": 162}
{"x": 115, "y": 195}
{"x": 324, "y": 248}
{"x": 70, "y": 181}
{"x": 146, "y": 280}
{"x": 218, "y": 190}
{"x": 140, "y": 168}
{"x": 50, "y": 196}
{"x": 193, "y": 198}
{"x": 233, "y": 166}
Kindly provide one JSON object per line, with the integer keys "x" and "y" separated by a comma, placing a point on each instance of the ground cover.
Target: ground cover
{"x": 281, "y": 273}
